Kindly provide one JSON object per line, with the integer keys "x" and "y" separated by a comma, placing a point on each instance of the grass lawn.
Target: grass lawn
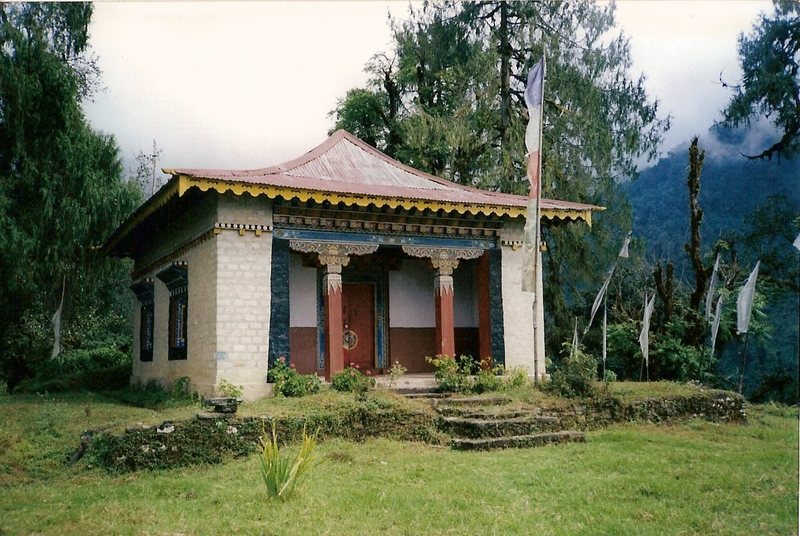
{"x": 695, "y": 478}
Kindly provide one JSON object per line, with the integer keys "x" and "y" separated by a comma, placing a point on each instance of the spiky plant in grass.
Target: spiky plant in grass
{"x": 280, "y": 473}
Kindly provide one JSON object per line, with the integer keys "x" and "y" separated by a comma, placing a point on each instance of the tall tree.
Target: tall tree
{"x": 61, "y": 187}
{"x": 460, "y": 75}
{"x": 770, "y": 86}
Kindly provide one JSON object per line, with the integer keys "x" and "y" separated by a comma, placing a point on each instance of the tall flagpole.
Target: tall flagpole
{"x": 532, "y": 265}
{"x": 537, "y": 266}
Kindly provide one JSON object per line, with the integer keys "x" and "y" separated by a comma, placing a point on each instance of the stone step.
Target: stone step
{"x": 498, "y": 427}
{"x": 478, "y": 400}
{"x": 420, "y": 393}
{"x": 522, "y": 441}
{"x": 486, "y": 413}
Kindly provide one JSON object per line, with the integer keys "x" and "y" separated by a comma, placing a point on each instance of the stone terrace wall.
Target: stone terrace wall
{"x": 211, "y": 438}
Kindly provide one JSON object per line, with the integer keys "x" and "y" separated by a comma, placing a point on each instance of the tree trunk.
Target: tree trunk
{"x": 665, "y": 287}
{"x": 695, "y": 334}
{"x": 504, "y": 50}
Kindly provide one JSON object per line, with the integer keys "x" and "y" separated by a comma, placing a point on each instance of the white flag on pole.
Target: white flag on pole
{"x": 715, "y": 325}
{"x": 744, "y": 303}
{"x": 534, "y": 99}
{"x": 598, "y": 300}
{"x": 624, "y": 251}
{"x": 605, "y": 331}
{"x": 711, "y": 288}
{"x": 644, "y": 336}
{"x": 604, "y": 289}
{"x": 56, "y": 320}
{"x": 575, "y": 337}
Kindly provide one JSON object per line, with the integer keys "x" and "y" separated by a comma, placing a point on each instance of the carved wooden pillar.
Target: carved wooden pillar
{"x": 443, "y": 289}
{"x": 444, "y": 261}
{"x": 332, "y": 292}
{"x": 333, "y": 257}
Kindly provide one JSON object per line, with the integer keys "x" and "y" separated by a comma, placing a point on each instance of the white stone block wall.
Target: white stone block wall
{"x": 199, "y": 365}
{"x": 243, "y": 295}
{"x": 523, "y": 348}
{"x": 229, "y": 300}
{"x": 243, "y": 310}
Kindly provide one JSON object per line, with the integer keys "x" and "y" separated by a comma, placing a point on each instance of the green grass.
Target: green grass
{"x": 695, "y": 478}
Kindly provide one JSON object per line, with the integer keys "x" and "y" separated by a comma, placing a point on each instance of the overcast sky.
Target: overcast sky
{"x": 244, "y": 85}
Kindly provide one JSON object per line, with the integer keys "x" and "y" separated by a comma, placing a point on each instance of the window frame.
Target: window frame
{"x": 145, "y": 293}
{"x": 176, "y": 279}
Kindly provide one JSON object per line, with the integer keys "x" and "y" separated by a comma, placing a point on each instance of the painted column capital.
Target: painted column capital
{"x": 444, "y": 260}
{"x": 332, "y": 255}
{"x": 443, "y": 284}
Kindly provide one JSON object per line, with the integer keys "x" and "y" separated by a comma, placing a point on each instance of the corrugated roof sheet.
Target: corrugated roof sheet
{"x": 345, "y": 164}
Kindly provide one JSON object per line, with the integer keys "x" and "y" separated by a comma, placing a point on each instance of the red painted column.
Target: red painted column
{"x": 445, "y": 332}
{"x": 443, "y": 287}
{"x": 334, "y": 351}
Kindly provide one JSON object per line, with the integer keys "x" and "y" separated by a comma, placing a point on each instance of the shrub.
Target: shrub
{"x": 609, "y": 376}
{"x": 395, "y": 372}
{"x": 225, "y": 388}
{"x": 489, "y": 378}
{"x": 452, "y": 376}
{"x": 463, "y": 375}
{"x": 351, "y": 380}
{"x": 515, "y": 378}
{"x": 281, "y": 475}
{"x": 575, "y": 377}
{"x": 290, "y": 383}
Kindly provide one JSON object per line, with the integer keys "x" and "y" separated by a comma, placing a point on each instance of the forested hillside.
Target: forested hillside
{"x": 731, "y": 188}
{"x": 751, "y": 211}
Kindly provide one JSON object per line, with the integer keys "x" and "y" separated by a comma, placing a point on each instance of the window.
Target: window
{"x": 177, "y": 281}
{"x": 144, "y": 292}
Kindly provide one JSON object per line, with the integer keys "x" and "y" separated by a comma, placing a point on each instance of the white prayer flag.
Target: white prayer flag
{"x": 715, "y": 325}
{"x": 575, "y": 337}
{"x": 624, "y": 251}
{"x": 744, "y": 303}
{"x": 598, "y": 300}
{"x": 56, "y": 320}
{"x": 529, "y": 248}
{"x": 605, "y": 331}
{"x": 711, "y": 288}
{"x": 534, "y": 99}
{"x": 644, "y": 336}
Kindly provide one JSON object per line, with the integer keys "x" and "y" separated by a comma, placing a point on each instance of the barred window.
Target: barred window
{"x": 176, "y": 278}
{"x": 144, "y": 292}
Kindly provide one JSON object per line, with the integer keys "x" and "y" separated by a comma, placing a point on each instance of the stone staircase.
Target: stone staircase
{"x": 485, "y": 423}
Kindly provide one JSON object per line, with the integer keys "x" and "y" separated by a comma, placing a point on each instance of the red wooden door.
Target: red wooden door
{"x": 358, "y": 319}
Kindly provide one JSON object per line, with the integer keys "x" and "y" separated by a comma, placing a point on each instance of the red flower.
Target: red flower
{"x": 291, "y": 366}
{"x": 282, "y": 359}
{"x": 369, "y": 373}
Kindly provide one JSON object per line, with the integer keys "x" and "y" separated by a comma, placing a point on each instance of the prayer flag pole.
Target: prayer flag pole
{"x": 531, "y": 267}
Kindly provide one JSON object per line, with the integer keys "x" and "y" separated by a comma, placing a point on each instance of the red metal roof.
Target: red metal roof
{"x": 346, "y": 165}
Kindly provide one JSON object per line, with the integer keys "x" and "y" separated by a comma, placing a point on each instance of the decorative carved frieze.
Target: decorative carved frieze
{"x": 442, "y": 253}
{"x": 332, "y": 249}
{"x": 333, "y": 256}
{"x": 444, "y": 260}
{"x": 359, "y": 221}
